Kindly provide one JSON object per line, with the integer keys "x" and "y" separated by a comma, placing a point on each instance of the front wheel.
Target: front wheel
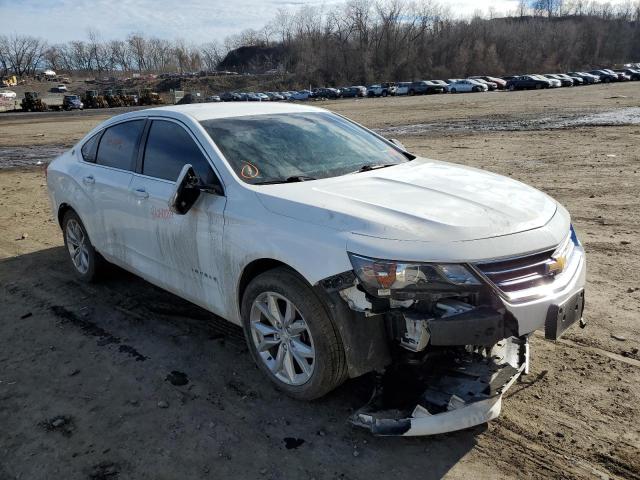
{"x": 453, "y": 90}
{"x": 290, "y": 335}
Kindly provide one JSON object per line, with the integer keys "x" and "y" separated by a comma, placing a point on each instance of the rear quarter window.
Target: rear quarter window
{"x": 90, "y": 148}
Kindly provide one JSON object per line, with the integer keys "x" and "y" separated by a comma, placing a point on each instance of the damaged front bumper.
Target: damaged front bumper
{"x": 464, "y": 390}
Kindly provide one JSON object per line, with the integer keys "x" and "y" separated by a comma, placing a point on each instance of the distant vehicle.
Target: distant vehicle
{"x": 444, "y": 84}
{"x": 632, "y": 73}
{"x": 500, "y": 83}
{"x": 10, "y": 81}
{"x": 362, "y": 90}
{"x": 605, "y": 77}
{"x": 554, "y": 82}
{"x": 491, "y": 85}
{"x": 576, "y": 81}
{"x": 528, "y": 82}
{"x": 61, "y": 88}
{"x": 213, "y": 98}
{"x": 274, "y": 96}
{"x": 327, "y": 93}
{"x": 402, "y": 88}
{"x": 301, "y": 95}
{"x": 622, "y": 77}
{"x": 588, "y": 78}
{"x": 425, "y": 87}
{"x": 72, "y": 102}
{"x": 351, "y": 92}
{"x": 8, "y": 94}
{"x": 229, "y": 97}
{"x": 467, "y": 85}
{"x": 263, "y": 97}
{"x": 287, "y": 95}
{"x": 564, "y": 82}
{"x": 381, "y": 90}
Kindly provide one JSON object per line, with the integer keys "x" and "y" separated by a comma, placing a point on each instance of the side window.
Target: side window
{"x": 118, "y": 145}
{"x": 169, "y": 148}
{"x": 90, "y": 148}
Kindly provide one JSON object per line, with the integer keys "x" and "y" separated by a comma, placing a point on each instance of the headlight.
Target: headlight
{"x": 574, "y": 237}
{"x": 382, "y": 276}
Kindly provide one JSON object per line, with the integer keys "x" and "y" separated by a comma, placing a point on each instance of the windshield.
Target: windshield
{"x": 273, "y": 148}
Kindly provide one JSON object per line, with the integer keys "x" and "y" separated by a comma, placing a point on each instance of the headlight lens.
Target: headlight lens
{"x": 382, "y": 276}
{"x": 574, "y": 237}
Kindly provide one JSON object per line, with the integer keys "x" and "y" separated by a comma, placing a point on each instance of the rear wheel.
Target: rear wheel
{"x": 512, "y": 88}
{"x": 453, "y": 90}
{"x": 290, "y": 335}
{"x": 86, "y": 262}
{"x": 385, "y": 93}
{"x": 538, "y": 86}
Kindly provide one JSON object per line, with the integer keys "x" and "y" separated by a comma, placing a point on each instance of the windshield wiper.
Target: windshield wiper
{"x": 292, "y": 179}
{"x": 368, "y": 167}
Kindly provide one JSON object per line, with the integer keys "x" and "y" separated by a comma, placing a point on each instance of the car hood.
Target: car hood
{"x": 421, "y": 200}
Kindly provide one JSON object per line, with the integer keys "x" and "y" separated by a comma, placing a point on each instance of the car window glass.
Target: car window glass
{"x": 118, "y": 145}
{"x": 90, "y": 148}
{"x": 265, "y": 148}
{"x": 169, "y": 148}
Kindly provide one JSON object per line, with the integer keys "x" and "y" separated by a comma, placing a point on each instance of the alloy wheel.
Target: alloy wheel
{"x": 77, "y": 245}
{"x": 282, "y": 338}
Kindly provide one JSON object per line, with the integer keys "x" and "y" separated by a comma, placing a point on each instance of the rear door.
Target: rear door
{"x": 106, "y": 174}
{"x": 178, "y": 252}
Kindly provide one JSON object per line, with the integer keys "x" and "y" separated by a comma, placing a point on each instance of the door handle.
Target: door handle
{"x": 141, "y": 193}
{"x": 89, "y": 180}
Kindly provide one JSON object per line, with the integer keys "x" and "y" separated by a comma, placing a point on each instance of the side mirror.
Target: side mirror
{"x": 186, "y": 191}
{"x": 398, "y": 144}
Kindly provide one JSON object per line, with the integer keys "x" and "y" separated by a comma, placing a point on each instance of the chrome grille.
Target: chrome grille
{"x": 515, "y": 274}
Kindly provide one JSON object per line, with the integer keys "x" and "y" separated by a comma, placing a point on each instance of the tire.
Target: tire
{"x": 412, "y": 93}
{"x": 512, "y": 88}
{"x": 475, "y": 89}
{"x": 453, "y": 90}
{"x": 607, "y": 80}
{"x": 326, "y": 367}
{"x": 88, "y": 264}
{"x": 538, "y": 86}
{"x": 385, "y": 93}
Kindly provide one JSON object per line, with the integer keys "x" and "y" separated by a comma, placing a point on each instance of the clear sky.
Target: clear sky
{"x": 196, "y": 21}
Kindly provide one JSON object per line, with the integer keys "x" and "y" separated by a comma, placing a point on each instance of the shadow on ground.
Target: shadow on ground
{"x": 120, "y": 379}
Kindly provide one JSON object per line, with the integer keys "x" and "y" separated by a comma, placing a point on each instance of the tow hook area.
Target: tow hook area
{"x": 453, "y": 389}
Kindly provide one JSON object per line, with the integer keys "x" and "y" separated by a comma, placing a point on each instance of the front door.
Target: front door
{"x": 178, "y": 252}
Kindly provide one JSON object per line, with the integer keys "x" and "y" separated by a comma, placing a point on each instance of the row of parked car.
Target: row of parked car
{"x": 452, "y": 85}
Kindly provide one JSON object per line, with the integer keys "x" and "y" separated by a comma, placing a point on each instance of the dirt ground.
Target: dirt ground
{"x": 122, "y": 380}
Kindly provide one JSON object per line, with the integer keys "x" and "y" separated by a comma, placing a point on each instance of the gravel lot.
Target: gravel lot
{"x": 122, "y": 380}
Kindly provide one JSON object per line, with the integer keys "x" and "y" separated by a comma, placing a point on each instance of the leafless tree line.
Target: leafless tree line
{"x": 367, "y": 40}
{"x": 22, "y": 55}
{"x": 363, "y": 40}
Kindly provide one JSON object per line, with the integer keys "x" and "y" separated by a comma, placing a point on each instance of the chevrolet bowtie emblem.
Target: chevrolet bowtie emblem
{"x": 556, "y": 265}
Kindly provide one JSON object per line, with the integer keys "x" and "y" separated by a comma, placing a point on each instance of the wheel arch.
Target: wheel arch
{"x": 255, "y": 268}
{"x": 63, "y": 208}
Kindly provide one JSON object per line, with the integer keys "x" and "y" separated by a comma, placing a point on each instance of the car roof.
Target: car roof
{"x": 209, "y": 111}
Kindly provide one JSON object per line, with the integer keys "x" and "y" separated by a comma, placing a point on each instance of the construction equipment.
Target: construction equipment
{"x": 11, "y": 81}
{"x": 32, "y": 103}
{"x": 112, "y": 99}
{"x": 150, "y": 98}
{"x": 91, "y": 99}
{"x": 127, "y": 99}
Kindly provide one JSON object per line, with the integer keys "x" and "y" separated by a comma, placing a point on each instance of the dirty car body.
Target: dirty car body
{"x": 339, "y": 253}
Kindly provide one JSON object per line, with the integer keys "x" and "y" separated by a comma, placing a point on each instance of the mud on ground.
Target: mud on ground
{"x": 122, "y": 380}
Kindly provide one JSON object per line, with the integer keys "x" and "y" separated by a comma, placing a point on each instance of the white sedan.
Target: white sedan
{"x": 336, "y": 250}
{"x": 467, "y": 85}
